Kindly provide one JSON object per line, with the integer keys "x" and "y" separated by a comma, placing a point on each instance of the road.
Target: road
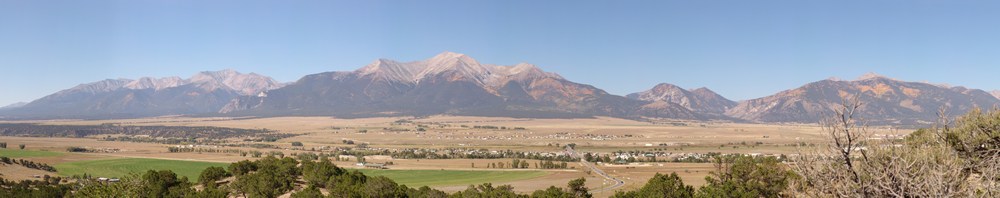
{"x": 594, "y": 169}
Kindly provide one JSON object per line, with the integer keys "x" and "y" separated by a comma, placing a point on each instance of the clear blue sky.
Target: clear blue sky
{"x": 741, "y": 49}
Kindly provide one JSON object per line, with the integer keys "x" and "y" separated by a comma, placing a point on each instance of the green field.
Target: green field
{"x": 417, "y": 178}
{"x": 122, "y": 166}
{"x": 17, "y": 153}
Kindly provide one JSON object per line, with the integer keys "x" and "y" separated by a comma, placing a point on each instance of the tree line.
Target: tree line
{"x": 27, "y": 163}
{"x": 524, "y": 164}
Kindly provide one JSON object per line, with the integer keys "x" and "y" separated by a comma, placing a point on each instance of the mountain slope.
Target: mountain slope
{"x": 15, "y": 105}
{"x": 204, "y": 92}
{"x": 886, "y": 101}
{"x": 995, "y": 93}
{"x": 701, "y": 100}
{"x": 449, "y": 83}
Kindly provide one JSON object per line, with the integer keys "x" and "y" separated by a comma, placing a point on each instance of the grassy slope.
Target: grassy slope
{"x": 122, "y": 166}
{"x": 417, "y": 178}
{"x": 17, "y": 153}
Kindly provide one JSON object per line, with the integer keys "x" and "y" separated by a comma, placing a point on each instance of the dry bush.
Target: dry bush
{"x": 975, "y": 137}
{"x": 942, "y": 161}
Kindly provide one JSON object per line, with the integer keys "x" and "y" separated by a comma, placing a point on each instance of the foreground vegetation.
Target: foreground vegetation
{"x": 267, "y": 177}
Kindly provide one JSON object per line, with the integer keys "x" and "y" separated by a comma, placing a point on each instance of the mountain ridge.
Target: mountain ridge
{"x": 887, "y": 101}
{"x": 448, "y": 83}
{"x": 147, "y": 96}
{"x": 456, "y": 84}
{"x": 14, "y": 105}
{"x": 701, "y": 100}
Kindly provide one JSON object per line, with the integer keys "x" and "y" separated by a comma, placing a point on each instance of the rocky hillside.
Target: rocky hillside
{"x": 886, "y": 101}
{"x": 701, "y": 100}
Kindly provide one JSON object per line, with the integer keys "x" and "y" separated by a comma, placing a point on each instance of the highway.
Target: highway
{"x": 594, "y": 169}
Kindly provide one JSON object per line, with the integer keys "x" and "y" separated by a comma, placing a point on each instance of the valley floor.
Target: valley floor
{"x": 600, "y": 136}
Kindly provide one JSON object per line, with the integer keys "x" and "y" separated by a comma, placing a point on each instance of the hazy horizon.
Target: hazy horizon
{"x": 742, "y": 50}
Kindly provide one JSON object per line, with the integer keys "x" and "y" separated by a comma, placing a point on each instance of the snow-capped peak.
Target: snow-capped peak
{"x": 153, "y": 83}
{"x": 246, "y": 84}
{"x": 524, "y": 67}
{"x": 390, "y": 70}
{"x": 871, "y": 75}
{"x": 450, "y": 61}
{"x": 457, "y": 66}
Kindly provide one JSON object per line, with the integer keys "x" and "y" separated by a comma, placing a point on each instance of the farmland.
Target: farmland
{"x": 14, "y": 153}
{"x": 120, "y": 167}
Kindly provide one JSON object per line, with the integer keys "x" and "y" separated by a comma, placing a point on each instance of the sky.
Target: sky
{"x": 740, "y": 49}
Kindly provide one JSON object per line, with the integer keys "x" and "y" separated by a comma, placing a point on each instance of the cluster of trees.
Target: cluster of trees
{"x": 27, "y": 163}
{"x": 255, "y": 145}
{"x": 574, "y": 189}
{"x": 523, "y": 164}
{"x": 251, "y": 153}
{"x": 734, "y": 176}
{"x": 162, "y": 140}
{"x": 548, "y": 164}
{"x": 597, "y": 158}
{"x": 185, "y": 132}
{"x": 49, "y": 187}
{"x": 76, "y": 149}
{"x": 265, "y": 138}
{"x": 4, "y": 145}
{"x": 202, "y": 150}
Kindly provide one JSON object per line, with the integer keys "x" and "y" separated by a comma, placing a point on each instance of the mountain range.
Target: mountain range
{"x": 205, "y": 92}
{"x": 885, "y": 101}
{"x": 449, "y": 83}
{"x": 700, "y": 100}
{"x": 456, "y": 84}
